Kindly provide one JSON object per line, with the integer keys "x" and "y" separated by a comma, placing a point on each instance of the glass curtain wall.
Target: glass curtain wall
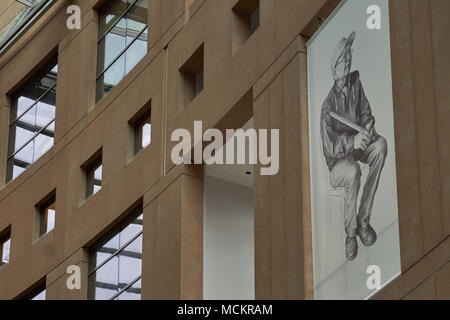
{"x": 32, "y": 122}
{"x": 122, "y": 41}
{"x": 116, "y": 262}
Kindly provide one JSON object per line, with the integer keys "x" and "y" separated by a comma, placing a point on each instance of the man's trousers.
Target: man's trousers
{"x": 346, "y": 173}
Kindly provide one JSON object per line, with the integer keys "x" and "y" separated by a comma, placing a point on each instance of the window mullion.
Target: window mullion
{"x": 33, "y": 104}
{"x": 127, "y": 47}
{"x": 31, "y": 139}
{"x": 124, "y": 50}
{"x": 115, "y": 23}
{"x": 115, "y": 253}
{"x": 126, "y": 287}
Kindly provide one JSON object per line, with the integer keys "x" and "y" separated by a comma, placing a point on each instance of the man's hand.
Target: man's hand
{"x": 362, "y": 140}
{"x": 370, "y": 127}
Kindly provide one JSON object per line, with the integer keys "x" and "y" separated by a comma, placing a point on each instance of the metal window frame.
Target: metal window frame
{"x": 31, "y": 139}
{"x": 132, "y": 218}
{"x": 121, "y": 53}
{"x": 34, "y": 104}
{"x": 28, "y": 3}
{"x": 115, "y": 254}
{"x": 41, "y": 130}
{"x": 117, "y": 21}
{"x": 126, "y": 288}
{"x": 124, "y": 50}
{"x": 118, "y": 251}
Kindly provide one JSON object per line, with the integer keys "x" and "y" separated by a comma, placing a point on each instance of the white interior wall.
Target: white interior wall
{"x": 228, "y": 264}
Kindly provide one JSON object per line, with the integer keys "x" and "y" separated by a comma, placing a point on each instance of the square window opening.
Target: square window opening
{"x": 246, "y": 20}
{"x": 46, "y": 214}
{"x": 141, "y": 125}
{"x": 93, "y": 170}
{"x": 5, "y": 246}
{"x": 193, "y": 75}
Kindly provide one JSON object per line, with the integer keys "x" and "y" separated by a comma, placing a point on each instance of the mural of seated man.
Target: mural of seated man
{"x": 349, "y": 137}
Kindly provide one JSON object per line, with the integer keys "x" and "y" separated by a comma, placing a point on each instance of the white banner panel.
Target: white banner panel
{"x": 352, "y": 148}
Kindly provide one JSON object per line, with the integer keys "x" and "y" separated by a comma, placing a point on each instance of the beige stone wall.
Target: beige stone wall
{"x": 421, "y": 78}
{"x": 270, "y": 68}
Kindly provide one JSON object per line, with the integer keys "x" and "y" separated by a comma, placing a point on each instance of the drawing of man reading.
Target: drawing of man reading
{"x": 349, "y": 137}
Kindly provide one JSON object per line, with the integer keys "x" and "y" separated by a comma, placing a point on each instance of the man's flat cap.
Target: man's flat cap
{"x": 343, "y": 46}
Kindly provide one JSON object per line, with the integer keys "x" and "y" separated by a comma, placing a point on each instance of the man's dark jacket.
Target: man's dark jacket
{"x": 350, "y": 103}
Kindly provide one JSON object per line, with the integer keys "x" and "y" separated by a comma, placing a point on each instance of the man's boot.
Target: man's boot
{"x": 367, "y": 235}
{"x": 351, "y": 248}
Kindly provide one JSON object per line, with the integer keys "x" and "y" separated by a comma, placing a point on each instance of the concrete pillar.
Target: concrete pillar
{"x": 56, "y": 281}
{"x": 283, "y": 258}
{"x": 173, "y": 238}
